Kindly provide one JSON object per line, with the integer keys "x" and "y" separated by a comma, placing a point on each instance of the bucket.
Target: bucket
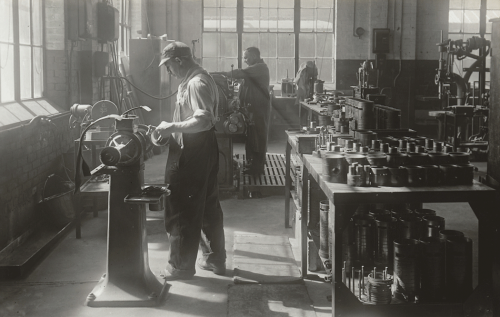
{"x": 58, "y": 207}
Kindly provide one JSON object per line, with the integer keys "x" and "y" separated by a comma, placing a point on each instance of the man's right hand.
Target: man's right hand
{"x": 165, "y": 129}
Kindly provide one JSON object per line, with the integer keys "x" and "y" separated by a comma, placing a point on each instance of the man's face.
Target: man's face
{"x": 249, "y": 58}
{"x": 174, "y": 67}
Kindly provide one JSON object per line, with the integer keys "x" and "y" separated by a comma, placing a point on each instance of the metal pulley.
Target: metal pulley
{"x": 124, "y": 147}
{"x": 235, "y": 123}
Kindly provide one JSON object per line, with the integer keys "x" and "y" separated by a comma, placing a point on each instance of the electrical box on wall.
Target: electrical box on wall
{"x": 107, "y": 22}
{"x": 381, "y": 41}
{"x": 79, "y": 20}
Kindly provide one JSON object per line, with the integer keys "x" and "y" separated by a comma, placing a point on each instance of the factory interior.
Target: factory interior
{"x": 353, "y": 147}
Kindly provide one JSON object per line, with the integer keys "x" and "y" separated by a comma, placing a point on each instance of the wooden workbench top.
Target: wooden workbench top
{"x": 343, "y": 193}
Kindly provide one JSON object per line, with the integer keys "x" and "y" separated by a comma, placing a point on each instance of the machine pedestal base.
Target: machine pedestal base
{"x": 128, "y": 292}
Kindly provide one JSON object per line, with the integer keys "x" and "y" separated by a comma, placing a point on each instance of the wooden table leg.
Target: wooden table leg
{"x": 288, "y": 181}
{"x": 303, "y": 221}
{"x": 77, "y": 202}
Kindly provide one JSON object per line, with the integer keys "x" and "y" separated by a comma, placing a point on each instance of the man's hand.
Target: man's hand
{"x": 165, "y": 128}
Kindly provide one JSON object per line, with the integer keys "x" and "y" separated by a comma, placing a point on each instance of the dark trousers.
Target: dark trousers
{"x": 256, "y": 141}
{"x": 193, "y": 215}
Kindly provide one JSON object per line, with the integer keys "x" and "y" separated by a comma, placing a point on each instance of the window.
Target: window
{"x": 316, "y": 36}
{"x": 21, "y": 61}
{"x": 464, "y": 22}
{"x": 281, "y": 30}
{"x": 125, "y": 26}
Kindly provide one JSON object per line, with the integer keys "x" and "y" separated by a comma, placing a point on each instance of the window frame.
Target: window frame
{"x": 482, "y": 31}
{"x": 125, "y": 26}
{"x": 24, "y": 112}
{"x": 241, "y": 31}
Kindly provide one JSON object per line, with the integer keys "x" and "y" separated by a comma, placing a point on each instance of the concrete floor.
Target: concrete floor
{"x": 61, "y": 283}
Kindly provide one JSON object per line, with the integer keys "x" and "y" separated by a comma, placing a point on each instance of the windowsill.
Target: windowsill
{"x": 17, "y": 113}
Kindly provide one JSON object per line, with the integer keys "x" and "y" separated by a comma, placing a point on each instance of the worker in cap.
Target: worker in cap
{"x": 193, "y": 215}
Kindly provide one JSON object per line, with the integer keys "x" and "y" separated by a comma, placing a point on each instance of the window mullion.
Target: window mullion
{"x": 17, "y": 68}
{"x": 32, "y": 52}
{"x": 239, "y": 29}
{"x": 296, "y": 31}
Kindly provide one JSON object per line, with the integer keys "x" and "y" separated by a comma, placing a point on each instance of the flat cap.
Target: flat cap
{"x": 174, "y": 49}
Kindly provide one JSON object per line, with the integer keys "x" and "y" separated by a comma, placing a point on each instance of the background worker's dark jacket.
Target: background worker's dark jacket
{"x": 255, "y": 91}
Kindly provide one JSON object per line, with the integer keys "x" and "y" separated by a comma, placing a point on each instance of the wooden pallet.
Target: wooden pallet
{"x": 271, "y": 183}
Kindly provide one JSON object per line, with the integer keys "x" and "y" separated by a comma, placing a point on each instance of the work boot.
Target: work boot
{"x": 217, "y": 268}
{"x": 175, "y": 275}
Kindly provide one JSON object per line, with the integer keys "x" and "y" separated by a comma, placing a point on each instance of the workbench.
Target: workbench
{"x": 344, "y": 201}
{"x": 309, "y": 112}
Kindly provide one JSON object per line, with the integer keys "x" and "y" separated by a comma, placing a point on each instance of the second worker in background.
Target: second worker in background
{"x": 254, "y": 92}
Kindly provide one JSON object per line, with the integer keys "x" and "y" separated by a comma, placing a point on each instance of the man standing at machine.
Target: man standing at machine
{"x": 193, "y": 214}
{"x": 254, "y": 93}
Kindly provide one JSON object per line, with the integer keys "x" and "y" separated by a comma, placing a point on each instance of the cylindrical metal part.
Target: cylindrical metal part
{"x": 385, "y": 234}
{"x": 324, "y": 121}
{"x": 363, "y": 232}
{"x": 348, "y": 246}
{"x": 422, "y": 212}
{"x": 432, "y": 269}
{"x": 409, "y": 226}
{"x": 324, "y": 207}
{"x": 458, "y": 268}
{"x": 335, "y": 168}
{"x": 318, "y": 86}
{"x": 448, "y": 174}
{"x": 406, "y": 277}
{"x": 431, "y": 226}
{"x": 429, "y": 144}
{"x": 379, "y": 288}
{"x": 447, "y": 234}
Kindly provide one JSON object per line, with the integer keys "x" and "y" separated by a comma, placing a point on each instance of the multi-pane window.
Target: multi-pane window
{"x": 21, "y": 61}
{"x": 125, "y": 26}
{"x": 220, "y": 39}
{"x": 269, "y": 25}
{"x": 316, "y": 36}
{"x": 276, "y": 27}
{"x": 464, "y": 23}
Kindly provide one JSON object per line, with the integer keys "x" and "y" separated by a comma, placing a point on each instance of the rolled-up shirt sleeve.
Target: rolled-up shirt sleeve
{"x": 201, "y": 100}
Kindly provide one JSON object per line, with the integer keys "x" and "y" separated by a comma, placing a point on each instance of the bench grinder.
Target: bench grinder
{"x": 128, "y": 280}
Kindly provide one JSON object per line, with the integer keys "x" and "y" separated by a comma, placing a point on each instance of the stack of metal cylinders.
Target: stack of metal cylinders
{"x": 379, "y": 288}
{"x": 410, "y": 226}
{"x": 363, "y": 233}
{"x": 458, "y": 266}
{"x": 365, "y": 116}
{"x": 432, "y": 269}
{"x": 431, "y": 226}
{"x": 348, "y": 246}
{"x": 385, "y": 234}
{"x": 406, "y": 275}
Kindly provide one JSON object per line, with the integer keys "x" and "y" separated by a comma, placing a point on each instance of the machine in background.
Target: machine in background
{"x": 463, "y": 123}
{"x": 233, "y": 120}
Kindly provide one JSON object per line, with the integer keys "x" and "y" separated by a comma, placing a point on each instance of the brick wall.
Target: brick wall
{"x": 29, "y": 154}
